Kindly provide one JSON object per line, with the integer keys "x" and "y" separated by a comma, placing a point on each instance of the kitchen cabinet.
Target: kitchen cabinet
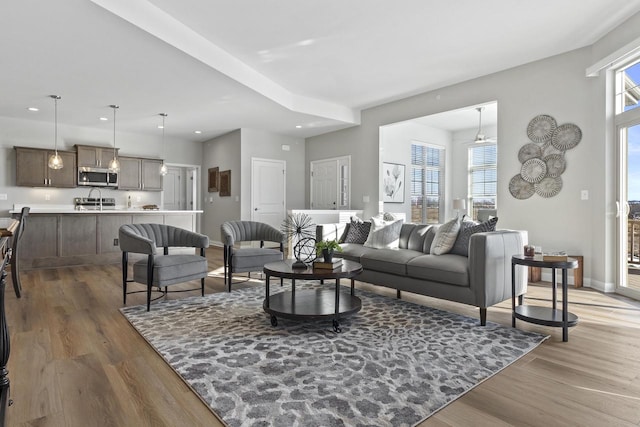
{"x": 94, "y": 157}
{"x": 32, "y": 168}
{"x": 139, "y": 174}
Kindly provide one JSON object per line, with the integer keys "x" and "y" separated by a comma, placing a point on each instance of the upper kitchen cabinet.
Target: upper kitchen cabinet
{"x": 32, "y": 168}
{"x": 94, "y": 157}
{"x": 139, "y": 174}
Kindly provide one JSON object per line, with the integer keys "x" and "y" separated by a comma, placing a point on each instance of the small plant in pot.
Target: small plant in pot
{"x": 327, "y": 248}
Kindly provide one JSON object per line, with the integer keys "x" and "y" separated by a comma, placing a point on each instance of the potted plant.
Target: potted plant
{"x": 327, "y": 248}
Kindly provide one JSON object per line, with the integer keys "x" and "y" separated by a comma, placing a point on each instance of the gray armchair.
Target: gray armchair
{"x": 161, "y": 270}
{"x": 246, "y": 260}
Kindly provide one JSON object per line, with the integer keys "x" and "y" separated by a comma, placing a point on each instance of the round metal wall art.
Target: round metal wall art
{"x": 566, "y": 136}
{"x": 543, "y": 160}
{"x": 529, "y": 151}
{"x": 541, "y": 128}
{"x": 555, "y": 164}
{"x": 549, "y": 186}
{"x": 533, "y": 170}
{"x": 520, "y": 189}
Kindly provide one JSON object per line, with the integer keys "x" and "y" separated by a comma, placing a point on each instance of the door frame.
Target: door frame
{"x": 194, "y": 191}
{"x": 284, "y": 183}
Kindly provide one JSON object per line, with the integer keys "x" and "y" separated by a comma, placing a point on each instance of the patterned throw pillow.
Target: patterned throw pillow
{"x": 358, "y": 232}
{"x": 468, "y": 228}
{"x": 445, "y": 237}
{"x": 384, "y": 234}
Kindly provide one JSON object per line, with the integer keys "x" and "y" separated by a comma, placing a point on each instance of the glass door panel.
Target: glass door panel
{"x": 629, "y": 210}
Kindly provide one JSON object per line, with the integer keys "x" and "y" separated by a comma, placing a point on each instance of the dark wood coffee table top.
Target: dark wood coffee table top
{"x": 284, "y": 269}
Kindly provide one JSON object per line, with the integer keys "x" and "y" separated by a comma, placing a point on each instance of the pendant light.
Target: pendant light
{"x": 55, "y": 161}
{"x": 163, "y": 168}
{"x": 480, "y": 136}
{"x": 114, "y": 164}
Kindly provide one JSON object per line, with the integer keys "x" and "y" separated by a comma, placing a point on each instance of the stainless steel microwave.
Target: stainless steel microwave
{"x": 97, "y": 177}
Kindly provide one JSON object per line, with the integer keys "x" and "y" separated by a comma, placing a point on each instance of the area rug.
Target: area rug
{"x": 394, "y": 364}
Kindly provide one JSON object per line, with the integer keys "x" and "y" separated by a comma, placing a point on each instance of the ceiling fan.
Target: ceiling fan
{"x": 481, "y": 137}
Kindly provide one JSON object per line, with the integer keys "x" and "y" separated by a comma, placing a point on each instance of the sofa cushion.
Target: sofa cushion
{"x": 392, "y": 261}
{"x": 352, "y": 251}
{"x": 415, "y": 242}
{"x": 428, "y": 238}
{"x": 357, "y": 231}
{"x": 251, "y": 257}
{"x": 447, "y": 268}
{"x": 467, "y": 229}
{"x": 170, "y": 269}
{"x": 445, "y": 237}
{"x": 384, "y": 234}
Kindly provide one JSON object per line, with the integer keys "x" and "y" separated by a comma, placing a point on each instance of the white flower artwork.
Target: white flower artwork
{"x": 393, "y": 183}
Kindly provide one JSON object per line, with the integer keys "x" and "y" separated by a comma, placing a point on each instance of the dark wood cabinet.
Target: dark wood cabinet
{"x": 32, "y": 168}
{"x": 140, "y": 174}
{"x": 94, "y": 157}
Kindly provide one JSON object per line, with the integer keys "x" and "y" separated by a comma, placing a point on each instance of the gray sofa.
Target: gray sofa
{"x": 482, "y": 279}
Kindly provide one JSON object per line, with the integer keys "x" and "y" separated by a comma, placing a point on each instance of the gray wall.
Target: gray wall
{"x": 556, "y": 86}
{"x": 30, "y": 133}
{"x": 234, "y": 151}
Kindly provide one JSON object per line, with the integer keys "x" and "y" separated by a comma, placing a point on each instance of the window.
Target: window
{"x": 427, "y": 172}
{"x": 483, "y": 175}
{"x": 628, "y": 88}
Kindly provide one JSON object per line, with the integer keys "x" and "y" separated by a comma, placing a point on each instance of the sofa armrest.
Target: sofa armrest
{"x": 333, "y": 231}
{"x": 490, "y": 265}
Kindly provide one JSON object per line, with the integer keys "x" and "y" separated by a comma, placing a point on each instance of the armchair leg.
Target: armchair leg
{"x": 202, "y": 285}
{"x": 230, "y": 278}
{"x": 483, "y": 316}
{"x": 125, "y": 266}
{"x": 148, "y": 297}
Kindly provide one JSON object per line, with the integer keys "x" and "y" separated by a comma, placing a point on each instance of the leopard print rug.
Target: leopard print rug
{"x": 394, "y": 364}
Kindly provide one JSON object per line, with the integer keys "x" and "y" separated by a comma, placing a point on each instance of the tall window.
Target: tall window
{"x": 483, "y": 175}
{"x": 628, "y": 88}
{"x": 427, "y": 176}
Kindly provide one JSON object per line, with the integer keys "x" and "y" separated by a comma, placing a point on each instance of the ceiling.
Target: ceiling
{"x": 296, "y": 67}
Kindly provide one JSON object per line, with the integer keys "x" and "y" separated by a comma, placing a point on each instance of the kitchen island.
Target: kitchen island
{"x": 57, "y": 236}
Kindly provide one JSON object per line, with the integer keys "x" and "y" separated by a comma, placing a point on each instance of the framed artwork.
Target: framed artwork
{"x": 393, "y": 182}
{"x": 214, "y": 177}
{"x": 225, "y": 183}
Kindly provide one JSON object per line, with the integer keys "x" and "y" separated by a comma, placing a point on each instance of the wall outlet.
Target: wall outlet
{"x": 138, "y": 198}
{"x": 3, "y": 196}
{"x": 47, "y": 196}
{"x": 584, "y": 195}
{"x": 116, "y": 242}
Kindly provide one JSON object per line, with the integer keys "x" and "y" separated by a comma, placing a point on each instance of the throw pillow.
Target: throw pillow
{"x": 467, "y": 229}
{"x": 384, "y": 234}
{"x": 357, "y": 232}
{"x": 445, "y": 237}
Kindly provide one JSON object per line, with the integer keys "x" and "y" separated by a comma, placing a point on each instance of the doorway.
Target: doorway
{"x": 331, "y": 183}
{"x": 268, "y": 191}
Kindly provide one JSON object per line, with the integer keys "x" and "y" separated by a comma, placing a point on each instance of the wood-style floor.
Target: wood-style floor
{"x": 76, "y": 361}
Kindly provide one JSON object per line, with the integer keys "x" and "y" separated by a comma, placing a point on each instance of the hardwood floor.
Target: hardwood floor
{"x": 76, "y": 361}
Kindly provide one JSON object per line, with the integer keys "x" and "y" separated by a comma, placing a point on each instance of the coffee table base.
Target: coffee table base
{"x": 311, "y": 305}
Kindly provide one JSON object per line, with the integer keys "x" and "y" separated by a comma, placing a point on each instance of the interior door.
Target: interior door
{"x": 268, "y": 189}
{"x": 174, "y": 189}
{"x": 324, "y": 184}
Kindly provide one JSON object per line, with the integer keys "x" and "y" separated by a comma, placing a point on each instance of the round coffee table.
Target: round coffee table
{"x": 311, "y": 304}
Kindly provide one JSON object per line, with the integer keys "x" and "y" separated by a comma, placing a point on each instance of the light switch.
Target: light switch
{"x": 3, "y": 196}
{"x": 365, "y": 199}
{"x": 584, "y": 195}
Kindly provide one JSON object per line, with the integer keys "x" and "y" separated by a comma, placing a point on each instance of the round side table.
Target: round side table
{"x": 544, "y": 315}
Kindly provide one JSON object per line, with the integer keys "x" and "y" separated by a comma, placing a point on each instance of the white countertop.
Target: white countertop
{"x": 68, "y": 209}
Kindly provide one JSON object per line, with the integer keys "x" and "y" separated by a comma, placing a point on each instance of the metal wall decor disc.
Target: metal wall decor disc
{"x": 566, "y": 136}
{"x": 533, "y": 170}
{"x": 520, "y": 189}
{"x": 555, "y": 164}
{"x": 548, "y": 149}
{"x": 541, "y": 128}
{"x": 529, "y": 151}
{"x": 549, "y": 186}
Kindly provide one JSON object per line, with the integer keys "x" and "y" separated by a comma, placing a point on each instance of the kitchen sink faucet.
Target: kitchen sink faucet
{"x": 99, "y": 194}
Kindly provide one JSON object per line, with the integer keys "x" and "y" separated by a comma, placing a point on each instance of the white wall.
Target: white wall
{"x": 28, "y": 133}
{"x": 556, "y": 86}
{"x": 222, "y": 152}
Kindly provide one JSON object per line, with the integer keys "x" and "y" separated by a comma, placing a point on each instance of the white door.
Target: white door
{"x": 268, "y": 189}
{"x": 173, "y": 187}
{"x": 324, "y": 184}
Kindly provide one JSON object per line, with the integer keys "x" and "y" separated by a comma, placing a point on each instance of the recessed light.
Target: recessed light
{"x": 34, "y": 109}
{"x": 160, "y": 127}
{"x": 298, "y": 127}
{"x": 104, "y": 119}
{"x": 197, "y": 131}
